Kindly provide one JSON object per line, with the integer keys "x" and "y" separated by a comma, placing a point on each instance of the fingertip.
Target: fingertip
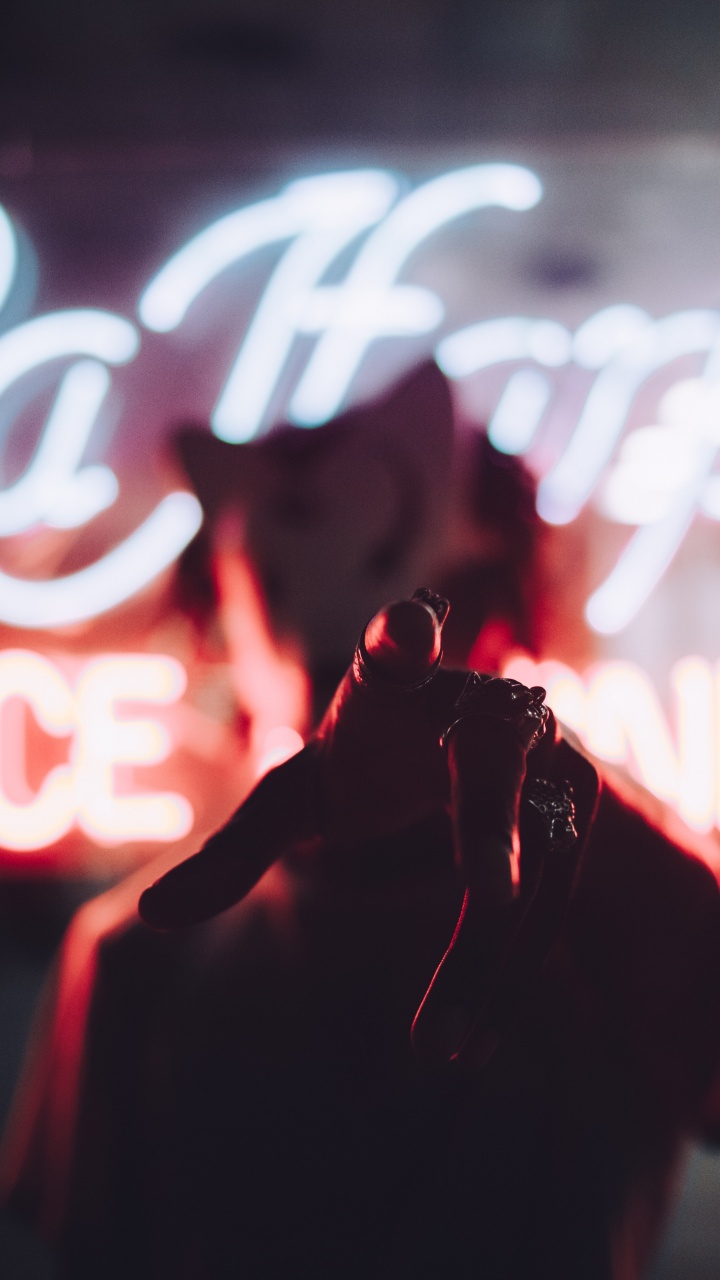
{"x": 160, "y": 911}
{"x": 146, "y": 908}
{"x": 150, "y": 909}
{"x": 404, "y": 640}
{"x": 193, "y": 891}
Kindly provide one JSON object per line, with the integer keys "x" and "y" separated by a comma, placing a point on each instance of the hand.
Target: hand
{"x": 500, "y": 944}
{"x": 376, "y": 765}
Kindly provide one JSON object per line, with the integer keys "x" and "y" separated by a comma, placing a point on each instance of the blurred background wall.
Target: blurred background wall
{"x": 571, "y": 294}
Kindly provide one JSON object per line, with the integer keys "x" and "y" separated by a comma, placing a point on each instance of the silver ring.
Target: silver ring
{"x": 556, "y": 808}
{"x": 496, "y": 698}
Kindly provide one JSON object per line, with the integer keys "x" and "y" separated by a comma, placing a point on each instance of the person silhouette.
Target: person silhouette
{"x": 236, "y": 1091}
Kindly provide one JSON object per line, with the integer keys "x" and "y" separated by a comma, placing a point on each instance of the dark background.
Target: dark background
{"x": 188, "y": 74}
{"x": 162, "y": 84}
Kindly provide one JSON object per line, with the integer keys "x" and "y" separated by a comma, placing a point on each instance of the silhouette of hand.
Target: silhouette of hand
{"x": 402, "y": 739}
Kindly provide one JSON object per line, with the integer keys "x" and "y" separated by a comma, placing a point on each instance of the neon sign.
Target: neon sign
{"x": 613, "y": 708}
{"x": 58, "y": 492}
{"x": 81, "y": 792}
{"x": 324, "y": 215}
{"x": 615, "y": 711}
{"x": 365, "y": 213}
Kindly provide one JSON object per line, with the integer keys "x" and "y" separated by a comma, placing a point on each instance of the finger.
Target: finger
{"x": 498, "y": 951}
{"x": 463, "y": 983}
{"x": 487, "y": 765}
{"x": 487, "y": 755}
{"x": 548, "y": 828}
{"x": 498, "y": 722}
{"x": 323, "y": 790}
{"x": 403, "y": 642}
{"x": 397, "y": 657}
{"x": 383, "y": 767}
{"x": 280, "y": 812}
{"x": 555, "y": 821}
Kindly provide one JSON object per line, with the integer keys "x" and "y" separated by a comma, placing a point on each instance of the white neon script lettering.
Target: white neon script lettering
{"x": 82, "y": 791}
{"x": 621, "y": 343}
{"x": 626, "y": 346}
{"x": 57, "y": 491}
{"x": 370, "y": 304}
{"x": 668, "y": 467}
{"x": 90, "y": 592}
{"x": 520, "y": 409}
{"x": 325, "y": 214}
{"x": 567, "y": 487}
{"x": 321, "y": 216}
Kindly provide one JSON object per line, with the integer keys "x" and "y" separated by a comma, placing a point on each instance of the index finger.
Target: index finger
{"x": 497, "y": 951}
{"x": 278, "y": 813}
{"x": 348, "y": 779}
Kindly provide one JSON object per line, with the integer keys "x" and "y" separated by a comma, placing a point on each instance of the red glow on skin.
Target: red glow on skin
{"x": 48, "y": 1105}
{"x": 404, "y": 639}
